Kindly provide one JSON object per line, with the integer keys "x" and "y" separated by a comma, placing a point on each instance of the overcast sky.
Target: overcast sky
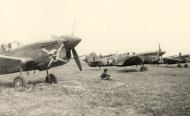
{"x": 105, "y": 26}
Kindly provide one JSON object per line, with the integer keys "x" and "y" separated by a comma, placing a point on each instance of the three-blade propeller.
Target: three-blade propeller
{"x": 55, "y": 54}
{"x": 77, "y": 60}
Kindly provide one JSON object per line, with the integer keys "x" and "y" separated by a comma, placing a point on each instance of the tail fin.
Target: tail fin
{"x": 180, "y": 54}
{"x": 159, "y": 48}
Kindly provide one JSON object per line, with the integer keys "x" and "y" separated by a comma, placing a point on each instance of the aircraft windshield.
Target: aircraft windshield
{"x": 9, "y": 46}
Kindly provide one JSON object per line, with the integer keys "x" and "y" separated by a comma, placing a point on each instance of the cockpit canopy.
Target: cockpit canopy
{"x": 9, "y": 46}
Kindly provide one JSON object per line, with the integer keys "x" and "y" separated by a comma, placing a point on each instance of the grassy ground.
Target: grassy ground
{"x": 159, "y": 92}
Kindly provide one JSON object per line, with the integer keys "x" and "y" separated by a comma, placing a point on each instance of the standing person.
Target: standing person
{"x": 9, "y": 46}
{"x": 105, "y": 75}
{"x": 3, "y": 47}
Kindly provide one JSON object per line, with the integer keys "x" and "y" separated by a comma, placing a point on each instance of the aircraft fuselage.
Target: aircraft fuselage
{"x": 35, "y": 52}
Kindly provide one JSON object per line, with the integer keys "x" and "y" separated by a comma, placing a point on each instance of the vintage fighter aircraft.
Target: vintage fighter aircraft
{"x": 125, "y": 59}
{"x": 177, "y": 59}
{"x": 153, "y": 57}
{"x": 114, "y": 60}
{"x": 39, "y": 56}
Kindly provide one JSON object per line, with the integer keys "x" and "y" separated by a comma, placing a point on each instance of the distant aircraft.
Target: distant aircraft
{"x": 39, "y": 56}
{"x": 114, "y": 60}
{"x": 125, "y": 59}
{"x": 154, "y": 57}
{"x": 177, "y": 59}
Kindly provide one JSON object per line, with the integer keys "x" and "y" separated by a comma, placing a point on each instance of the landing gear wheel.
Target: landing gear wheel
{"x": 51, "y": 79}
{"x": 142, "y": 69}
{"x": 19, "y": 82}
{"x": 179, "y": 65}
{"x": 185, "y": 65}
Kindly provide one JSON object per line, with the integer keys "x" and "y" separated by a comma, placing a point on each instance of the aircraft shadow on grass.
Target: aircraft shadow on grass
{"x": 11, "y": 85}
{"x": 173, "y": 67}
{"x": 6, "y": 84}
{"x": 127, "y": 70}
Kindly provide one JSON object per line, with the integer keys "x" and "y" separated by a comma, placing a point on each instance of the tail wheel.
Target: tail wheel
{"x": 19, "y": 82}
{"x": 51, "y": 79}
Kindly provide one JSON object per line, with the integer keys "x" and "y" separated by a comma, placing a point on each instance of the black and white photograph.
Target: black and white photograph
{"x": 94, "y": 58}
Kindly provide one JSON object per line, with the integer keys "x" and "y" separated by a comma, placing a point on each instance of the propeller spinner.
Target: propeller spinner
{"x": 54, "y": 55}
{"x": 70, "y": 42}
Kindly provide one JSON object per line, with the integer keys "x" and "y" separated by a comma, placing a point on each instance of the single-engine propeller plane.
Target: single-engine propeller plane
{"x": 118, "y": 60}
{"x": 177, "y": 59}
{"x": 153, "y": 57}
{"x": 125, "y": 59}
{"x": 39, "y": 56}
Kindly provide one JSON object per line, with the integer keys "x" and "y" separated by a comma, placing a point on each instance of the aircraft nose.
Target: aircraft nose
{"x": 72, "y": 42}
{"x": 163, "y": 52}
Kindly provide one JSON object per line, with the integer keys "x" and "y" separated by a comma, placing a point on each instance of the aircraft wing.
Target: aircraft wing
{"x": 186, "y": 57}
{"x": 146, "y": 59}
{"x": 171, "y": 61}
{"x": 9, "y": 64}
{"x": 133, "y": 60}
{"x": 96, "y": 63}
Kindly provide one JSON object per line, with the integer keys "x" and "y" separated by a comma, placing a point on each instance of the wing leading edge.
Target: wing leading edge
{"x": 9, "y": 64}
{"x": 133, "y": 60}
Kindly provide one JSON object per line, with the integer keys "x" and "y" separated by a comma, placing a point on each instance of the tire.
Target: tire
{"x": 142, "y": 69}
{"x": 179, "y": 65}
{"x": 186, "y": 65}
{"x": 19, "y": 82}
{"x": 51, "y": 79}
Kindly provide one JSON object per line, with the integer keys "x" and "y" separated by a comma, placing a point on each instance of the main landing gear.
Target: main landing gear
{"x": 50, "y": 78}
{"x": 143, "y": 68}
{"x": 179, "y": 65}
{"x": 20, "y": 81}
{"x": 185, "y": 65}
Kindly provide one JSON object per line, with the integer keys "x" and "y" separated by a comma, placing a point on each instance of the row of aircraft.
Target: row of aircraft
{"x": 59, "y": 50}
{"x": 125, "y": 59}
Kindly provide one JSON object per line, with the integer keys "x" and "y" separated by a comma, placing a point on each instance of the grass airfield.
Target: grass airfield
{"x": 161, "y": 91}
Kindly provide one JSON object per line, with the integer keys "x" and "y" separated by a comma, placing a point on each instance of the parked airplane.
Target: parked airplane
{"x": 114, "y": 60}
{"x": 153, "y": 57}
{"x": 177, "y": 59}
{"x": 125, "y": 59}
{"x": 39, "y": 56}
